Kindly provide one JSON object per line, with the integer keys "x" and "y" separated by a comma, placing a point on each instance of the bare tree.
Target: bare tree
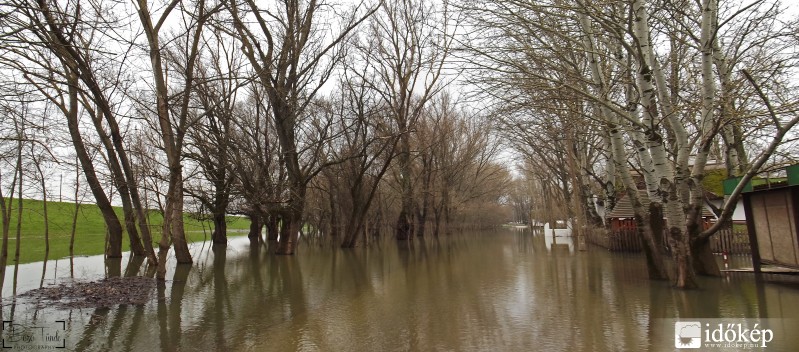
{"x": 210, "y": 145}
{"x": 173, "y": 116}
{"x": 367, "y": 148}
{"x": 406, "y": 48}
{"x": 292, "y": 57}
{"x": 75, "y": 78}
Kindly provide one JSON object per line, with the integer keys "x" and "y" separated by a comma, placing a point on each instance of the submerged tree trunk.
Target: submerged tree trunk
{"x": 654, "y": 261}
{"x": 355, "y": 227}
{"x": 176, "y": 229}
{"x": 704, "y": 262}
{"x": 334, "y": 213}
{"x": 219, "y": 212}
{"x": 78, "y": 67}
{"x": 5, "y": 212}
{"x": 273, "y": 226}
{"x": 695, "y": 254}
{"x": 219, "y": 236}
{"x": 120, "y": 183}
{"x": 172, "y": 128}
{"x": 289, "y": 232}
{"x": 655, "y": 264}
{"x": 256, "y": 225}
{"x": 683, "y": 263}
{"x": 404, "y": 228}
{"x": 423, "y": 211}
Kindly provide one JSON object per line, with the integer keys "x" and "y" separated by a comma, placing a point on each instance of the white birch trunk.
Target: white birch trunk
{"x": 737, "y": 160}
{"x": 619, "y": 156}
{"x": 701, "y": 258}
{"x": 610, "y": 175}
{"x": 669, "y": 189}
{"x": 707, "y": 122}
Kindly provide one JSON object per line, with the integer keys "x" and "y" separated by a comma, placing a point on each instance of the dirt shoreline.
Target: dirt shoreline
{"x": 102, "y": 293}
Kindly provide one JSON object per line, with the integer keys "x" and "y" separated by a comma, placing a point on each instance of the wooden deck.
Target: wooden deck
{"x": 765, "y": 270}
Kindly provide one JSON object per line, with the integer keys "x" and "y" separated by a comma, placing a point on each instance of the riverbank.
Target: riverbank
{"x": 89, "y": 230}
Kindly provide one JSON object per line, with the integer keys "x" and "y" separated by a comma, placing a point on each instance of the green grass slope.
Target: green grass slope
{"x": 90, "y": 230}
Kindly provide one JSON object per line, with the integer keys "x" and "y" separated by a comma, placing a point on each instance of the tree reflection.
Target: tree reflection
{"x": 460, "y": 292}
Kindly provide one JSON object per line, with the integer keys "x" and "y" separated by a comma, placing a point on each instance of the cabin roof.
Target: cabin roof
{"x": 624, "y": 208}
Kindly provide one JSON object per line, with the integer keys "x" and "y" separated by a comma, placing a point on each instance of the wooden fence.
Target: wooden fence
{"x": 626, "y": 239}
{"x": 621, "y": 240}
{"x": 730, "y": 241}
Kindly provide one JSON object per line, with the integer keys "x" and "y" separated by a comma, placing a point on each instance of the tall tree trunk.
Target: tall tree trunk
{"x": 20, "y": 205}
{"x": 219, "y": 236}
{"x": 77, "y": 66}
{"x": 699, "y": 254}
{"x": 121, "y": 185}
{"x": 655, "y": 264}
{"x": 667, "y": 184}
{"x": 77, "y": 209}
{"x": 421, "y": 213}
{"x": 256, "y": 225}
{"x": 334, "y": 212}
{"x": 704, "y": 262}
{"x": 172, "y": 141}
{"x": 421, "y": 217}
{"x": 5, "y": 210}
{"x": 44, "y": 211}
{"x": 113, "y": 226}
{"x": 355, "y": 227}
{"x": 437, "y": 220}
{"x": 404, "y": 227}
{"x": 293, "y": 214}
{"x": 273, "y": 226}
{"x": 289, "y": 232}
{"x": 578, "y": 220}
{"x": 656, "y": 224}
{"x": 177, "y": 231}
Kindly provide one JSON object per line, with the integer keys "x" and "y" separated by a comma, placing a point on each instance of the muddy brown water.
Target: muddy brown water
{"x": 489, "y": 291}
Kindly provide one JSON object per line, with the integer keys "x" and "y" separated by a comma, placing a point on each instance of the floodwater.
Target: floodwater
{"x": 499, "y": 291}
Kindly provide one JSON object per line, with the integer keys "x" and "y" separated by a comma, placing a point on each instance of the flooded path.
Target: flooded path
{"x": 504, "y": 290}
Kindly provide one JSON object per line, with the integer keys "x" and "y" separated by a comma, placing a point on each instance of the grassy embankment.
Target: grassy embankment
{"x": 90, "y": 230}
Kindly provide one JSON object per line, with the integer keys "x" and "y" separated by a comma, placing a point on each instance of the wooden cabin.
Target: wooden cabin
{"x": 622, "y": 231}
{"x": 621, "y": 218}
{"x": 772, "y": 213}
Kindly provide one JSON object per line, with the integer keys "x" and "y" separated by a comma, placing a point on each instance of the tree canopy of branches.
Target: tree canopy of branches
{"x": 666, "y": 86}
{"x": 307, "y": 117}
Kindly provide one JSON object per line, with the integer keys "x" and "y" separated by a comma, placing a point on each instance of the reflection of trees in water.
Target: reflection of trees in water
{"x": 462, "y": 292}
{"x": 134, "y": 265}
{"x": 221, "y": 297}
{"x": 219, "y": 320}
